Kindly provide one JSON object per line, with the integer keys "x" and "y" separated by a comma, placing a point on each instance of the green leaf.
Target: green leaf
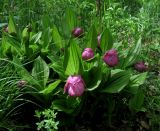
{"x": 136, "y": 81}
{"x": 9, "y": 40}
{"x": 11, "y": 26}
{"x": 23, "y": 73}
{"x": 133, "y": 54}
{"x": 35, "y": 38}
{"x": 74, "y": 59}
{"x": 94, "y": 78}
{"x": 25, "y": 34}
{"x": 46, "y": 36}
{"x": 40, "y": 71}
{"x": 106, "y": 41}
{"x": 50, "y": 87}
{"x": 46, "y": 21}
{"x": 92, "y": 38}
{"x": 57, "y": 38}
{"x": 67, "y": 105}
{"x": 137, "y": 101}
{"x": 57, "y": 66}
{"x": 69, "y": 22}
{"x": 5, "y": 47}
{"x": 89, "y": 64}
{"x": 117, "y": 82}
{"x": 106, "y": 72}
{"x": 70, "y": 19}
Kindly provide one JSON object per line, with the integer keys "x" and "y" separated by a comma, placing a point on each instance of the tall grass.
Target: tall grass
{"x": 8, "y": 94}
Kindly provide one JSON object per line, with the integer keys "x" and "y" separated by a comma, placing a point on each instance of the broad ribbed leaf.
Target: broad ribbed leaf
{"x": 70, "y": 19}
{"x": 9, "y": 40}
{"x": 69, "y": 22}
{"x": 57, "y": 38}
{"x": 67, "y": 105}
{"x": 35, "y": 38}
{"x": 23, "y": 73}
{"x": 46, "y": 36}
{"x": 137, "y": 101}
{"x": 50, "y": 87}
{"x": 136, "y": 81}
{"x": 117, "y": 82}
{"x": 133, "y": 54}
{"x": 57, "y": 66}
{"x": 94, "y": 78}
{"x": 74, "y": 59}
{"x": 106, "y": 41}
{"x": 25, "y": 34}
{"x": 5, "y": 47}
{"x": 92, "y": 38}
{"x": 40, "y": 71}
{"x": 11, "y": 25}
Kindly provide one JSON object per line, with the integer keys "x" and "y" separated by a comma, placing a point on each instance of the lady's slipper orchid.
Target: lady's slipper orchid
{"x": 87, "y": 54}
{"x": 140, "y": 66}
{"x": 77, "y": 32}
{"x": 74, "y": 86}
{"x": 111, "y": 58}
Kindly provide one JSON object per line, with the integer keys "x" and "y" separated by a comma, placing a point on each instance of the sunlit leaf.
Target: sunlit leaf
{"x": 11, "y": 26}
{"x": 74, "y": 59}
{"x": 35, "y": 38}
{"x": 50, "y": 87}
{"x": 57, "y": 38}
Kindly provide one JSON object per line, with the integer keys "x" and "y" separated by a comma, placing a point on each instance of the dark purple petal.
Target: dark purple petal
{"x": 140, "y": 66}
{"x": 77, "y": 32}
{"x": 111, "y": 58}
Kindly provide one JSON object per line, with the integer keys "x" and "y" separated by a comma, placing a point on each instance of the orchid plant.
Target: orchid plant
{"x": 66, "y": 68}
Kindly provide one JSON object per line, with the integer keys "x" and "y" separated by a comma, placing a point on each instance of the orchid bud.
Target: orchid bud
{"x": 6, "y": 29}
{"x": 140, "y": 66}
{"x": 77, "y": 32}
{"x": 87, "y": 54}
{"x": 22, "y": 83}
{"x": 74, "y": 86}
{"x": 111, "y": 58}
{"x": 29, "y": 28}
{"x": 99, "y": 40}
